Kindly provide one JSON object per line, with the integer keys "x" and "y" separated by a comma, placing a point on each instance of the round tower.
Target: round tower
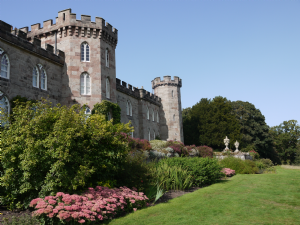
{"x": 170, "y": 112}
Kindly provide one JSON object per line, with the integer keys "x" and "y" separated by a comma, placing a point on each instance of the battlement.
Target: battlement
{"x": 19, "y": 38}
{"x": 67, "y": 25}
{"x": 136, "y": 92}
{"x": 166, "y": 81}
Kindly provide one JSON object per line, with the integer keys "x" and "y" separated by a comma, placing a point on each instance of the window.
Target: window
{"x": 174, "y": 117}
{"x": 87, "y": 111}
{"x": 85, "y": 84}
{"x": 43, "y": 77}
{"x": 85, "y": 52}
{"x": 35, "y": 77}
{"x": 154, "y": 135}
{"x": 106, "y": 58}
{"x": 147, "y": 113}
{"x": 130, "y": 109}
{"x": 172, "y": 94}
{"x": 4, "y": 107}
{"x": 108, "y": 116}
{"x": 149, "y": 135}
{"x": 157, "y": 117}
{"x": 5, "y": 66}
{"x": 127, "y": 108}
{"x": 152, "y": 115}
{"x": 107, "y": 88}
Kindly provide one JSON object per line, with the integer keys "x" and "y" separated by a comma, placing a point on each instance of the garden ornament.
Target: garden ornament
{"x": 236, "y": 144}
{"x": 226, "y": 141}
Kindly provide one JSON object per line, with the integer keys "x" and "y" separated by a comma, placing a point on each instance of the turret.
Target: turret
{"x": 171, "y": 117}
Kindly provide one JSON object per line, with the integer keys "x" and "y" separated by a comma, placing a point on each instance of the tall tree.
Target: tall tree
{"x": 209, "y": 122}
{"x": 286, "y": 138}
{"x": 254, "y": 130}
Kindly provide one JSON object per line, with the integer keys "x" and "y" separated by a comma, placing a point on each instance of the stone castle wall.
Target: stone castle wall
{"x": 61, "y": 59}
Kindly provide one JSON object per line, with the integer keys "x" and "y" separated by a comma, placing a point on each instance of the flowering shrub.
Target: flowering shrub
{"x": 96, "y": 205}
{"x": 53, "y": 149}
{"x": 178, "y": 147}
{"x": 136, "y": 143}
{"x": 228, "y": 172}
{"x": 205, "y": 151}
{"x": 254, "y": 154}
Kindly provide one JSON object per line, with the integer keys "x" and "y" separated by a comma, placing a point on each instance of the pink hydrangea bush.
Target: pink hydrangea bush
{"x": 228, "y": 172}
{"x": 95, "y": 205}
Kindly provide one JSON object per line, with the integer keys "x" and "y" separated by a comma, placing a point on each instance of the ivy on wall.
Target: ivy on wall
{"x": 106, "y": 107}
{"x": 18, "y": 98}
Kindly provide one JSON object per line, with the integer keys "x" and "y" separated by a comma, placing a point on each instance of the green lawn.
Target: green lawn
{"x": 242, "y": 199}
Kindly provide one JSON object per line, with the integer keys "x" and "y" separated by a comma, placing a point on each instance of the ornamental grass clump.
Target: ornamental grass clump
{"x": 94, "y": 205}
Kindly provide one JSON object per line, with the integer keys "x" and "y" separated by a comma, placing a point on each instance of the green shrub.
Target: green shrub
{"x": 23, "y": 219}
{"x": 52, "y": 149}
{"x": 240, "y": 166}
{"x": 135, "y": 171}
{"x": 106, "y": 107}
{"x": 172, "y": 177}
{"x": 204, "y": 171}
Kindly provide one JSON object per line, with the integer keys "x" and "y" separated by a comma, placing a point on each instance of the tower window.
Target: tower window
{"x": 172, "y": 93}
{"x": 157, "y": 117}
{"x": 174, "y": 117}
{"x": 85, "y": 84}
{"x": 107, "y": 88}
{"x": 5, "y": 66}
{"x": 106, "y": 58}
{"x": 85, "y": 52}
{"x": 130, "y": 108}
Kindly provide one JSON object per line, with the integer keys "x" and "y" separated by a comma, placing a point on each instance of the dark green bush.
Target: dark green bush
{"x": 57, "y": 149}
{"x": 204, "y": 171}
{"x": 240, "y": 166}
{"x": 135, "y": 171}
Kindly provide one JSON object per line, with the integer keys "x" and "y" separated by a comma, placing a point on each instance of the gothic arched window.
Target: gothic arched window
{"x": 35, "y": 77}
{"x": 85, "y": 84}
{"x": 85, "y": 52}
{"x": 106, "y": 58}
{"x": 107, "y": 88}
{"x": 43, "y": 77}
{"x": 5, "y": 66}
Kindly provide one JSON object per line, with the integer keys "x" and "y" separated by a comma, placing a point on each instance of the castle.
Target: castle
{"x": 73, "y": 62}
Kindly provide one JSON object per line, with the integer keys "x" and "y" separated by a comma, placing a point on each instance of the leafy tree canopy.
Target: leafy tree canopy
{"x": 209, "y": 122}
{"x": 254, "y": 130}
{"x": 286, "y": 138}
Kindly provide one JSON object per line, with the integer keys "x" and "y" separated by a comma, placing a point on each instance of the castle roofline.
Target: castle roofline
{"x": 67, "y": 20}
{"x": 166, "y": 81}
{"x": 19, "y": 38}
{"x": 137, "y": 93}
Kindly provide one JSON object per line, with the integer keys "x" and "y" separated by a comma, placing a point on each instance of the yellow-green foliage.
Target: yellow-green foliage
{"x": 158, "y": 144}
{"x": 51, "y": 149}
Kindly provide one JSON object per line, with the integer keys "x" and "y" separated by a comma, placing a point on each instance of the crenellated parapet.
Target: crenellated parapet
{"x": 137, "y": 93}
{"x": 166, "y": 81}
{"x": 19, "y": 38}
{"x": 67, "y": 25}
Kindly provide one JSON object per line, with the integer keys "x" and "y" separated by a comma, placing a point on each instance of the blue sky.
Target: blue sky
{"x": 246, "y": 50}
